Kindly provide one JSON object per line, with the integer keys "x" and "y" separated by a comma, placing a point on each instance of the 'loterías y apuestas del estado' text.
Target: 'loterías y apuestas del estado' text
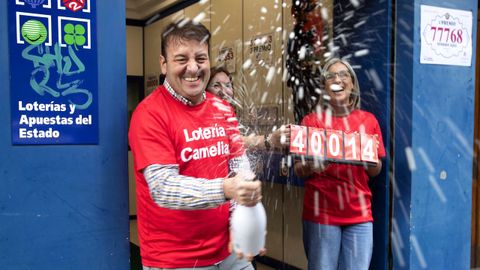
{"x": 37, "y": 125}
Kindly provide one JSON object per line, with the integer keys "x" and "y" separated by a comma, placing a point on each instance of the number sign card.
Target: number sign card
{"x": 316, "y": 143}
{"x": 298, "y": 140}
{"x": 352, "y": 149}
{"x": 369, "y": 148}
{"x": 333, "y": 145}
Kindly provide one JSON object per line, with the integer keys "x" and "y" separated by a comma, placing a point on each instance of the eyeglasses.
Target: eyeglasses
{"x": 219, "y": 85}
{"x": 343, "y": 75}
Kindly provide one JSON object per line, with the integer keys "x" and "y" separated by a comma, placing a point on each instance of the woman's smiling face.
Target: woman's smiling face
{"x": 220, "y": 85}
{"x": 339, "y": 84}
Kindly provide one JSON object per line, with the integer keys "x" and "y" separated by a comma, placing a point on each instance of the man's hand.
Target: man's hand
{"x": 247, "y": 193}
{"x": 280, "y": 138}
{"x": 249, "y": 257}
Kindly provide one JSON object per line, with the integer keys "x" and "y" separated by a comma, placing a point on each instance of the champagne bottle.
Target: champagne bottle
{"x": 249, "y": 226}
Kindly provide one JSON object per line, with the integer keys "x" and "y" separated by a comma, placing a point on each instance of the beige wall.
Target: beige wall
{"x": 294, "y": 253}
{"x": 134, "y": 50}
{"x": 198, "y": 11}
{"x": 226, "y": 33}
{"x": 152, "y": 47}
{"x": 273, "y": 202}
{"x": 252, "y": 87}
{"x": 153, "y": 36}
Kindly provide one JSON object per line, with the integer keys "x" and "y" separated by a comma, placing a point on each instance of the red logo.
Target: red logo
{"x": 74, "y": 5}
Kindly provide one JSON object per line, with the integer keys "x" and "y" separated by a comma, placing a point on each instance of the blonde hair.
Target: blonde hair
{"x": 355, "y": 95}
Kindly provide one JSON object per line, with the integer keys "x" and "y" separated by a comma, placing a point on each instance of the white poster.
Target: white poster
{"x": 446, "y": 36}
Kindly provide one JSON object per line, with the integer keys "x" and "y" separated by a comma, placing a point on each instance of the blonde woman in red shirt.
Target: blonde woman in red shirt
{"x": 337, "y": 215}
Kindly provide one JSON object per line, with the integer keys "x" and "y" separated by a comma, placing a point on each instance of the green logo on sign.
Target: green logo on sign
{"x": 74, "y": 35}
{"x": 34, "y": 32}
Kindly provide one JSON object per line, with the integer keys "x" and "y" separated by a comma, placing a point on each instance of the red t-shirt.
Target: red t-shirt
{"x": 200, "y": 140}
{"x": 340, "y": 195}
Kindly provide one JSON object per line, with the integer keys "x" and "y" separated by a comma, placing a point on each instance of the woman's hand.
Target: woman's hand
{"x": 373, "y": 169}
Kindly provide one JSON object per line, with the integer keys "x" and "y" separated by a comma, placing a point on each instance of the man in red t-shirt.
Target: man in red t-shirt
{"x": 185, "y": 142}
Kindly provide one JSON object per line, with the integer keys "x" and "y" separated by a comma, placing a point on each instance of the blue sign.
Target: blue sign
{"x": 53, "y": 72}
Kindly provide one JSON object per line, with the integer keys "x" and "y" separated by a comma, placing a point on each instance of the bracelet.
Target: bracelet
{"x": 266, "y": 142}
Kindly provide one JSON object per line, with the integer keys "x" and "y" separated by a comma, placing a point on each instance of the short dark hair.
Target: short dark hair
{"x": 184, "y": 31}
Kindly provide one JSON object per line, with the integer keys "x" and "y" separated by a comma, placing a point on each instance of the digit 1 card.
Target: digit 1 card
{"x": 352, "y": 147}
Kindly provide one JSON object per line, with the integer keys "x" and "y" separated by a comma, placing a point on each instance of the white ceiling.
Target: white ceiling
{"x": 143, "y": 9}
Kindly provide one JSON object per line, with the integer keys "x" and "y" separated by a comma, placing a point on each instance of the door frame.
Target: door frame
{"x": 475, "y": 253}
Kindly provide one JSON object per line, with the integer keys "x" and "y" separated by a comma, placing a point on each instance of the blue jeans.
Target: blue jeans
{"x": 338, "y": 247}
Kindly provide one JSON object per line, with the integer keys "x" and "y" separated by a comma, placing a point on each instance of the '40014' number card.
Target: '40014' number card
{"x": 333, "y": 145}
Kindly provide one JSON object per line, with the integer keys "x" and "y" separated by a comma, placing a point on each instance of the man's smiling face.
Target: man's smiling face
{"x": 187, "y": 67}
